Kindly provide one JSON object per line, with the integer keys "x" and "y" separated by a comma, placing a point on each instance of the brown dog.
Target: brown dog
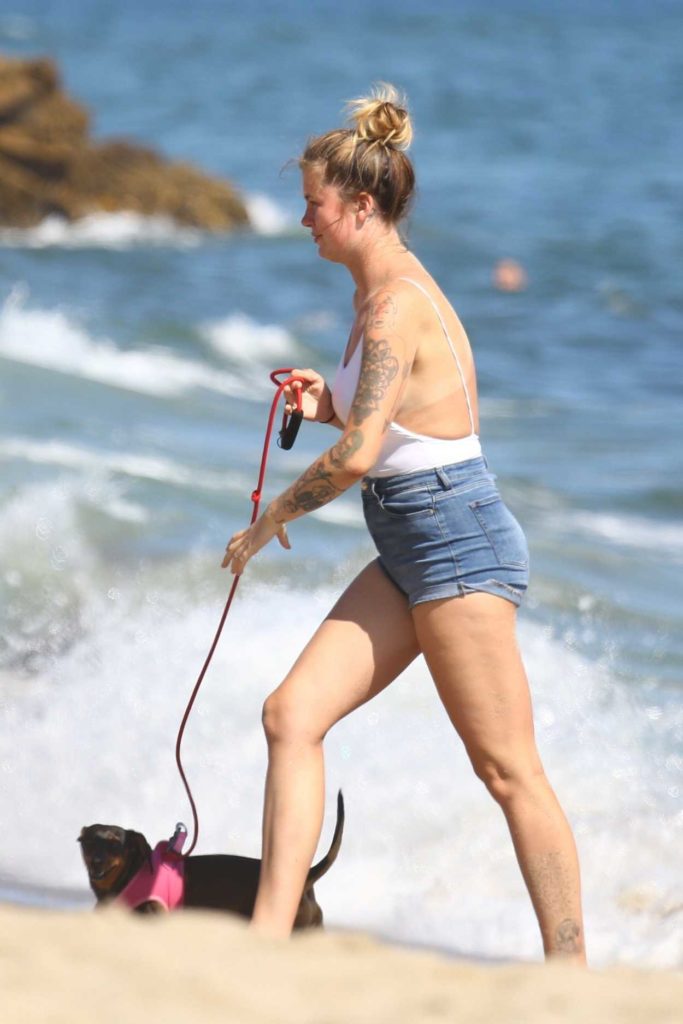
{"x": 113, "y": 856}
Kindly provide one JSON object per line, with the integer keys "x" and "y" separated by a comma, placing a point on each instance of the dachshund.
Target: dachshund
{"x": 115, "y": 858}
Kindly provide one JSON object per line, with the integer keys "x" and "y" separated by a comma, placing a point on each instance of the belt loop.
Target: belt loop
{"x": 443, "y": 478}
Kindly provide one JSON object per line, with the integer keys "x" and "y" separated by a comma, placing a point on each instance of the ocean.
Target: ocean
{"x": 134, "y": 361}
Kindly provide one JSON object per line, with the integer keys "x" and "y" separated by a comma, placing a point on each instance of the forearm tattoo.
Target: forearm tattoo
{"x": 322, "y": 481}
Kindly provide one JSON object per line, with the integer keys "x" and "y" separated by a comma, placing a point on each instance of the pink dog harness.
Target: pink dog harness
{"x": 163, "y": 882}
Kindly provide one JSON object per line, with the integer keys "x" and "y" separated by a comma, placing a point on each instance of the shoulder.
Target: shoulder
{"x": 390, "y": 306}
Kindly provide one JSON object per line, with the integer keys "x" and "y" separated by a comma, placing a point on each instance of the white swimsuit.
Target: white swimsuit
{"x": 402, "y": 450}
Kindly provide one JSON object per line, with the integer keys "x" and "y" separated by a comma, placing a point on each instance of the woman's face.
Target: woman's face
{"x": 330, "y": 219}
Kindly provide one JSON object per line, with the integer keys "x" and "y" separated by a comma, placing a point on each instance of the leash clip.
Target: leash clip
{"x": 177, "y": 840}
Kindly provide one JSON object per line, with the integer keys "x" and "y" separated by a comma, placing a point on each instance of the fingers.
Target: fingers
{"x": 245, "y": 544}
{"x": 309, "y": 375}
{"x": 234, "y": 553}
{"x": 283, "y": 538}
{"x": 235, "y": 562}
{"x": 291, "y": 399}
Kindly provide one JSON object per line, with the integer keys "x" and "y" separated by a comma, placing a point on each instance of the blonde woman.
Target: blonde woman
{"x": 453, "y": 562}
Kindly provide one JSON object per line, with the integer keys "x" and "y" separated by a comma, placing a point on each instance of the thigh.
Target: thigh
{"x": 367, "y": 640}
{"x": 470, "y": 647}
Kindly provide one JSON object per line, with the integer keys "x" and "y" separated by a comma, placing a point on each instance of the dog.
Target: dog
{"x": 116, "y": 859}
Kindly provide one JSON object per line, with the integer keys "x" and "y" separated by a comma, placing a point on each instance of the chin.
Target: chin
{"x": 331, "y": 257}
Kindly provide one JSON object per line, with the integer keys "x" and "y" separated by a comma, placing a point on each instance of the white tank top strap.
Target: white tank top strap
{"x": 424, "y": 291}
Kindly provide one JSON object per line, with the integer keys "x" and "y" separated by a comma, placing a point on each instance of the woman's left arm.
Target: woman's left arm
{"x": 385, "y": 365}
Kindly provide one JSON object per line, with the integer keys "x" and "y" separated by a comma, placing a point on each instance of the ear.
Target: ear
{"x": 365, "y": 206}
{"x": 138, "y": 847}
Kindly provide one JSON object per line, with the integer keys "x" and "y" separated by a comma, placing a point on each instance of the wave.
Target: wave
{"x": 139, "y": 467}
{"x": 122, "y": 230}
{"x": 267, "y": 218}
{"x": 127, "y": 229}
{"x": 52, "y": 340}
{"x": 241, "y": 340}
{"x": 633, "y": 531}
{"x": 108, "y": 709}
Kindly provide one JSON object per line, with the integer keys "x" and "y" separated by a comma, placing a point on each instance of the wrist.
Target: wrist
{"x": 276, "y": 516}
{"x": 332, "y": 414}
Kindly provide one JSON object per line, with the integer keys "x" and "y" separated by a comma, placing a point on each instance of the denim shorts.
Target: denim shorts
{"x": 445, "y": 532}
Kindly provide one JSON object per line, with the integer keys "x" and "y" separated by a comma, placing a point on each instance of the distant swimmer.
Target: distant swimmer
{"x": 453, "y": 561}
{"x": 509, "y": 276}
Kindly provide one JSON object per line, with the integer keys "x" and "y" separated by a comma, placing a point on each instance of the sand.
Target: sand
{"x": 202, "y": 967}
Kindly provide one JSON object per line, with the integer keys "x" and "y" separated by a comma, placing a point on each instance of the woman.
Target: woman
{"x": 452, "y": 563}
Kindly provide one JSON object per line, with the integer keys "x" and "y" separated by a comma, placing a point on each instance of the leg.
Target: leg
{"x": 470, "y": 647}
{"x": 364, "y": 643}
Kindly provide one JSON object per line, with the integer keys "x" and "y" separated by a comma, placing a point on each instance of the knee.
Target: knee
{"x": 286, "y": 721}
{"x": 509, "y": 777}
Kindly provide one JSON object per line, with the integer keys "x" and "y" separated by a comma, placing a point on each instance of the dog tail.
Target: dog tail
{"x": 319, "y": 869}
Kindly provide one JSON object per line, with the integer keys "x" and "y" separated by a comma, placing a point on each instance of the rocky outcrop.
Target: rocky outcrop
{"x": 50, "y": 165}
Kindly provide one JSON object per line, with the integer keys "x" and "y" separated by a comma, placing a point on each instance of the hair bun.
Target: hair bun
{"x": 382, "y": 118}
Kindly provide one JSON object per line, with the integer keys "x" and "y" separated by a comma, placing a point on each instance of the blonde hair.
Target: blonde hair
{"x": 369, "y": 156}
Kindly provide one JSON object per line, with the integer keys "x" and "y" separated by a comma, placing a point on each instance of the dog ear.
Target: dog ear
{"x": 138, "y": 846}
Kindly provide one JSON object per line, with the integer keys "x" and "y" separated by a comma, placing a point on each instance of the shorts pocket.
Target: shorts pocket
{"x": 407, "y": 504}
{"x": 504, "y": 533}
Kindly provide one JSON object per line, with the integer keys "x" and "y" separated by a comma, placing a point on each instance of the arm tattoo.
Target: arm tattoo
{"x": 315, "y": 487}
{"x": 378, "y": 369}
{"x": 345, "y": 448}
{"x": 379, "y": 365}
{"x": 382, "y": 313}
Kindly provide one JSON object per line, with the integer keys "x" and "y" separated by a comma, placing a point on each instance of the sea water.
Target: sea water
{"x": 134, "y": 360}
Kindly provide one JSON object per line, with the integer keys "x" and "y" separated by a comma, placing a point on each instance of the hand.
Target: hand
{"x": 316, "y": 401}
{"x": 244, "y": 544}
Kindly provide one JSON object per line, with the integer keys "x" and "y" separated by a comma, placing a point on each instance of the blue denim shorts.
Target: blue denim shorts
{"x": 446, "y": 532}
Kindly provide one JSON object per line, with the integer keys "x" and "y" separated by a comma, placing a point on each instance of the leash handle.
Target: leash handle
{"x": 290, "y": 428}
{"x": 290, "y": 424}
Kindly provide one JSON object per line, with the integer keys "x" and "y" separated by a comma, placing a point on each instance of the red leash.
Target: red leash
{"x": 288, "y": 432}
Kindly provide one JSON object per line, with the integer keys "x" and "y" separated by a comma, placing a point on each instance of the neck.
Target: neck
{"x": 380, "y": 259}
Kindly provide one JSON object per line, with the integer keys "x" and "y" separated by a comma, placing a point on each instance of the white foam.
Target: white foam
{"x": 53, "y": 340}
{"x": 122, "y": 230}
{"x": 243, "y": 340}
{"x": 342, "y": 512}
{"x": 266, "y": 217}
{"x": 634, "y": 531}
{"x": 126, "y": 229}
{"x": 144, "y": 467}
{"x": 40, "y": 526}
{"x": 426, "y": 856}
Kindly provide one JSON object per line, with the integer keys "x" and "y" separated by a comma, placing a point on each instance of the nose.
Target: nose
{"x": 306, "y": 219}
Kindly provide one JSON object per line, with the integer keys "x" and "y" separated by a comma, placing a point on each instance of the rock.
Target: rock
{"x": 49, "y": 165}
{"x": 22, "y": 82}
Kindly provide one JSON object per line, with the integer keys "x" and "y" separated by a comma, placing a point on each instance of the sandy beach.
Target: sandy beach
{"x": 73, "y": 967}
